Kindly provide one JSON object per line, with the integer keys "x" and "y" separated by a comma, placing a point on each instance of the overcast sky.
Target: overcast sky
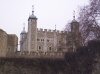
{"x": 13, "y": 13}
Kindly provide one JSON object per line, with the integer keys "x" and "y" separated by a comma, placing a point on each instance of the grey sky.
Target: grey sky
{"x": 13, "y": 13}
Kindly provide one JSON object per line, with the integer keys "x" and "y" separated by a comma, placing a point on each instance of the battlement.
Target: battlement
{"x": 27, "y": 54}
{"x": 49, "y": 30}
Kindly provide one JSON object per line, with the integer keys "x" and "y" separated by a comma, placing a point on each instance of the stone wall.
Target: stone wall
{"x": 86, "y": 60}
{"x": 8, "y": 43}
{"x": 12, "y": 43}
{"x": 40, "y": 55}
{"x": 50, "y": 40}
{"x": 31, "y": 66}
{"x": 70, "y": 65}
{"x": 3, "y": 43}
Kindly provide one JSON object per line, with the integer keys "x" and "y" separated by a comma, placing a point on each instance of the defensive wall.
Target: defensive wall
{"x": 49, "y": 30}
{"x": 40, "y": 55}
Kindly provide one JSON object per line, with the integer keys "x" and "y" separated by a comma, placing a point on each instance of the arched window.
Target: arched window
{"x": 39, "y": 47}
{"x": 50, "y": 48}
{"x": 38, "y": 39}
{"x": 47, "y": 40}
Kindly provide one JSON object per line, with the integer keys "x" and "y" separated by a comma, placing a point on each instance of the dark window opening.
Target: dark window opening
{"x": 42, "y": 39}
{"x": 50, "y": 48}
{"x": 47, "y": 40}
{"x": 38, "y": 39}
{"x": 39, "y": 47}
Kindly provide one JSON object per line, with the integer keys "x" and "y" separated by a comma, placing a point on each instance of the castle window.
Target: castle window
{"x": 39, "y": 47}
{"x": 42, "y": 39}
{"x": 38, "y": 39}
{"x": 59, "y": 41}
{"x": 59, "y": 49}
{"x": 47, "y": 40}
{"x": 50, "y": 48}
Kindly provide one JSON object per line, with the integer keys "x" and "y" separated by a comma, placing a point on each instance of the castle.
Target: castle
{"x": 41, "y": 42}
{"x": 48, "y": 41}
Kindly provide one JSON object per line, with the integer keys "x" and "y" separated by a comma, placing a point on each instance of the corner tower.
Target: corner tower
{"x": 75, "y": 34}
{"x": 32, "y": 32}
{"x": 74, "y": 25}
{"x": 23, "y": 36}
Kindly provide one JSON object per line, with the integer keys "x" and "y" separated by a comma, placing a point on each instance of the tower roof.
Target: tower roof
{"x": 32, "y": 16}
{"x": 23, "y": 30}
{"x": 74, "y": 21}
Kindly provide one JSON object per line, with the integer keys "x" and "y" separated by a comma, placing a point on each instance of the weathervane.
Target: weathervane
{"x": 74, "y": 15}
{"x": 32, "y": 9}
{"x": 23, "y": 26}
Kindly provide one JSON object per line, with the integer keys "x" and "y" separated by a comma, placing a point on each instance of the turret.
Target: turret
{"x": 23, "y": 36}
{"x": 75, "y": 34}
{"x": 32, "y": 16}
{"x": 74, "y": 25}
{"x": 32, "y": 32}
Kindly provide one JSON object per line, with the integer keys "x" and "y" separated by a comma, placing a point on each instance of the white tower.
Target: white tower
{"x": 32, "y": 32}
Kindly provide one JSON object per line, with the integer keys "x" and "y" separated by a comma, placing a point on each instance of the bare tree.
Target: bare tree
{"x": 88, "y": 19}
{"x": 89, "y": 23}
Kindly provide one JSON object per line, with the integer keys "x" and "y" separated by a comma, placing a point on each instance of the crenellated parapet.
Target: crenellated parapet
{"x": 27, "y": 54}
{"x": 49, "y": 30}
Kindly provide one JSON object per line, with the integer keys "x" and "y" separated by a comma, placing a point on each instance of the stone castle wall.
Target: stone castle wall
{"x": 39, "y": 55}
{"x": 50, "y": 40}
{"x": 3, "y": 43}
{"x": 8, "y": 43}
{"x": 12, "y": 43}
